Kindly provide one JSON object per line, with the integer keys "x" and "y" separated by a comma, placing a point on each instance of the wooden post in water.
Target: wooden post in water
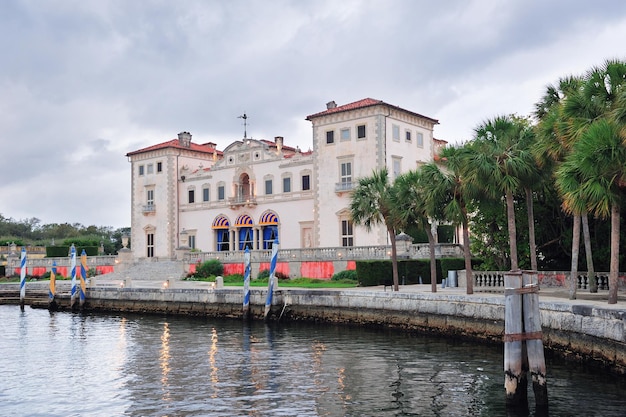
{"x": 514, "y": 378}
{"x": 533, "y": 336}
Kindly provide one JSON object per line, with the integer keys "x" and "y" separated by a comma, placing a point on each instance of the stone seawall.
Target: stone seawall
{"x": 589, "y": 333}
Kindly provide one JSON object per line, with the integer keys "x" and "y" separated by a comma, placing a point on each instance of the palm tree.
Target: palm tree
{"x": 372, "y": 203}
{"x": 454, "y": 183}
{"x": 555, "y": 139}
{"x": 598, "y": 122}
{"x": 501, "y": 163}
{"x": 418, "y": 202}
{"x": 593, "y": 177}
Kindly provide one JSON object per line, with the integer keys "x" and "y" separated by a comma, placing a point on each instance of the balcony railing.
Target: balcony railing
{"x": 149, "y": 208}
{"x": 342, "y": 187}
{"x": 243, "y": 200}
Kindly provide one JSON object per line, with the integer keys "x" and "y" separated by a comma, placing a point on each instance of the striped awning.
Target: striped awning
{"x": 244, "y": 220}
{"x": 221, "y": 222}
{"x": 269, "y": 217}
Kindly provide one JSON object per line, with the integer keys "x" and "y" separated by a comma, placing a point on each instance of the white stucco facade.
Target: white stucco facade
{"x": 187, "y": 194}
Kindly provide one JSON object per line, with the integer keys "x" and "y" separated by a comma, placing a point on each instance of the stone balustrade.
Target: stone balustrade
{"x": 494, "y": 280}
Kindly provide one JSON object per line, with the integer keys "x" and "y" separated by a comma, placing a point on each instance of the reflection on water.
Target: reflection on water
{"x": 62, "y": 364}
{"x": 164, "y": 361}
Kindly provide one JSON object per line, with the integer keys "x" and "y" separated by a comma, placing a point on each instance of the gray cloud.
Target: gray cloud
{"x": 83, "y": 83}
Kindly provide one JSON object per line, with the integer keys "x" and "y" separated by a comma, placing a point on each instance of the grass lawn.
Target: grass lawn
{"x": 296, "y": 282}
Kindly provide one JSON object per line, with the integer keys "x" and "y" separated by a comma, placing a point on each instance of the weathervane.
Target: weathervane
{"x": 245, "y": 125}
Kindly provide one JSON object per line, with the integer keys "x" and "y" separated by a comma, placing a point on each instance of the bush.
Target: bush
{"x": 209, "y": 268}
{"x": 345, "y": 276}
{"x": 372, "y": 273}
{"x": 233, "y": 278}
{"x": 265, "y": 274}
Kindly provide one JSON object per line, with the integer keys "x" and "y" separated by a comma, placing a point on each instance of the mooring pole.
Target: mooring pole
{"x": 534, "y": 343}
{"x": 514, "y": 378}
{"x": 246, "y": 284}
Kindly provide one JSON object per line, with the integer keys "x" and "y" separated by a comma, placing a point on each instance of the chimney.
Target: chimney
{"x": 331, "y": 105}
{"x": 279, "y": 143}
{"x": 184, "y": 139}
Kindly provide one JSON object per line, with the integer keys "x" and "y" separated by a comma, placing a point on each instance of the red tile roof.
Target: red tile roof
{"x": 366, "y": 102}
{"x": 174, "y": 143}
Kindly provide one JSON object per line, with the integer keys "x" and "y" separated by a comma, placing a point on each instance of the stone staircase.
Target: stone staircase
{"x": 147, "y": 270}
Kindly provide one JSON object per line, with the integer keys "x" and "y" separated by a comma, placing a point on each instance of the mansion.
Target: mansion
{"x": 254, "y": 191}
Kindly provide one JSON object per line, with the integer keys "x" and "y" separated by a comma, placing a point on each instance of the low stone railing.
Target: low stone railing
{"x": 340, "y": 253}
{"x": 494, "y": 280}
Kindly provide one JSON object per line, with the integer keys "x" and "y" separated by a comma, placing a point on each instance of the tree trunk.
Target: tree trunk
{"x": 433, "y": 261}
{"x": 591, "y": 272}
{"x": 614, "y": 266}
{"x": 394, "y": 260}
{"x": 510, "y": 218}
{"x": 575, "y": 248}
{"x": 466, "y": 253}
{"x": 531, "y": 229}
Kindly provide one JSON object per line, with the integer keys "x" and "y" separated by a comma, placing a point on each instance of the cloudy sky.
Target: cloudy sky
{"x": 84, "y": 82}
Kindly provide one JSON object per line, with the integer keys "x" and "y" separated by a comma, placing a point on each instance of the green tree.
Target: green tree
{"x": 455, "y": 182}
{"x": 503, "y": 165}
{"x": 557, "y": 112}
{"x": 420, "y": 204}
{"x": 372, "y": 203}
{"x": 592, "y": 178}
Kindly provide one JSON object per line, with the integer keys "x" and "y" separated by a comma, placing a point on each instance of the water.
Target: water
{"x": 64, "y": 364}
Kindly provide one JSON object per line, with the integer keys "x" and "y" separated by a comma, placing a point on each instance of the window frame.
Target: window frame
{"x": 345, "y": 178}
{"x": 287, "y": 184}
{"x": 150, "y": 196}
{"x": 330, "y": 137}
{"x": 347, "y": 233}
{"x": 308, "y": 182}
{"x": 358, "y": 132}
{"x": 419, "y": 140}
{"x": 395, "y": 132}
{"x": 345, "y": 134}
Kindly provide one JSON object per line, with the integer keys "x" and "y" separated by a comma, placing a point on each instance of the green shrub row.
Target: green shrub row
{"x": 61, "y": 251}
{"x": 372, "y": 273}
{"x": 409, "y": 272}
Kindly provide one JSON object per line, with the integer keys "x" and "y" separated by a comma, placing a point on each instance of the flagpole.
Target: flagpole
{"x": 22, "y": 278}
{"x": 270, "y": 283}
{"x": 246, "y": 284}
{"x": 83, "y": 277}
{"x": 73, "y": 269}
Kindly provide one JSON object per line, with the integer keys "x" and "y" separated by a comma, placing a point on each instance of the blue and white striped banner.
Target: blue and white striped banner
{"x": 23, "y": 276}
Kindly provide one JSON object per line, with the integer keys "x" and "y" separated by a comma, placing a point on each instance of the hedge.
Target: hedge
{"x": 62, "y": 251}
{"x": 372, "y": 273}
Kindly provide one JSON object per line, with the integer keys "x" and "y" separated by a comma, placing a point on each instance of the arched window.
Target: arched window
{"x": 246, "y": 236}
{"x": 269, "y": 223}
{"x": 221, "y": 226}
{"x": 243, "y": 188}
